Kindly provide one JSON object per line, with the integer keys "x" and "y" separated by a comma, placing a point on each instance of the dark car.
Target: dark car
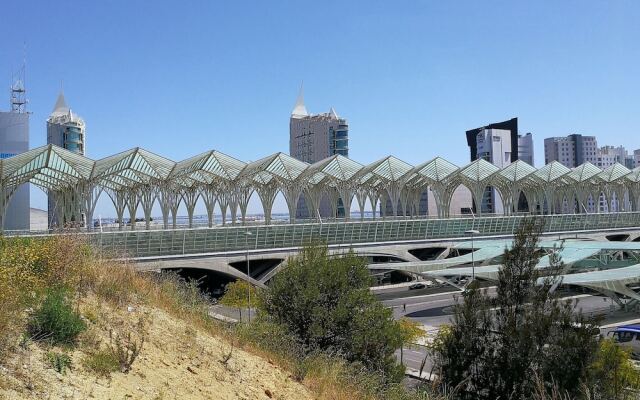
{"x": 417, "y": 286}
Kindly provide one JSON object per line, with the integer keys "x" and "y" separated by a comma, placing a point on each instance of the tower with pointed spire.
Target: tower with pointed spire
{"x": 314, "y": 137}
{"x": 67, "y": 130}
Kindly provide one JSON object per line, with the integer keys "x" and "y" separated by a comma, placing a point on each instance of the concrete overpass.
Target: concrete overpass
{"x": 226, "y": 249}
{"x": 388, "y": 244}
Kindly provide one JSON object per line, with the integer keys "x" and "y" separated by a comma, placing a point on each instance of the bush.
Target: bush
{"x": 59, "y": 361}
{"x": 126, "y": 345}
{"x": 102, "y": 363}
{"x": 326, "y": 304}
{"x": 55, "y": 320}
{"x": 29, "y": 266}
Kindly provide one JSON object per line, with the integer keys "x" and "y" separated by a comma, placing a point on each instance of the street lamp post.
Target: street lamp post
{"x": 472, "y": 233}
{"x": 247, "y": 233}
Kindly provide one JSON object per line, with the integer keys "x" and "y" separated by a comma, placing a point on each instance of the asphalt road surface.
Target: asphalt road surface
{"x": 433, "y": 307}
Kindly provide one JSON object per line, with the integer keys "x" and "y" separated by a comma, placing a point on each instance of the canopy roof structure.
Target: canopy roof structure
{"x": 138, "y": 177}
{"x": 593, "y": 264}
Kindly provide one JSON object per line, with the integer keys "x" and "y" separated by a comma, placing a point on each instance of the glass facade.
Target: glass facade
{"x": 340, "y": 140}
{"x": 74, "y": 139}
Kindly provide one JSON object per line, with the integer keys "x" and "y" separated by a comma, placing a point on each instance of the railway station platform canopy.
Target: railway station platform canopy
{"x": 606, "y": 267}
{"x": 138, "y": 179}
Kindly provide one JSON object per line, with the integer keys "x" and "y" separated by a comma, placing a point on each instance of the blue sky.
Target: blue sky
{"x": 179, "y": 78}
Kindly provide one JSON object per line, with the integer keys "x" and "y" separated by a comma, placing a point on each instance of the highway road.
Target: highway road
{"x": 433, "y": 307}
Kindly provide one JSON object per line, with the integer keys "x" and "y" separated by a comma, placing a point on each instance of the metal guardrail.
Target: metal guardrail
{"x": 201, "y": 222}
{"x": 157, "y": 243}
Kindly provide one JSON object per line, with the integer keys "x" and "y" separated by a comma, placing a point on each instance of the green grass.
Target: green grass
{"x": 55, "y": 321}
{"x": 102, "y": 363}
{"x": 59, "y": 361}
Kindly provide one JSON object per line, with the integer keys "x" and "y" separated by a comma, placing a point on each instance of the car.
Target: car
{"x": 416, "y": 286}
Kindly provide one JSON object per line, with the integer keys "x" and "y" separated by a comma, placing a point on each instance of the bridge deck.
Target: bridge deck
{"x": 158, "y": 243}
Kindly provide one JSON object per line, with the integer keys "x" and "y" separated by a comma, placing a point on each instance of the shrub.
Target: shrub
{"x": 326, "y": 304}
{"x": 59, "y": 361}
{"x": 102, "y": 363}
{"x": 28, "y": 267}
{"x": 126, "y": 346}
{"x": 55, "y": 320}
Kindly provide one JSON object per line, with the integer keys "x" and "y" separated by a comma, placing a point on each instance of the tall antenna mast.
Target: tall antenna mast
{"x": 18, "y": 97}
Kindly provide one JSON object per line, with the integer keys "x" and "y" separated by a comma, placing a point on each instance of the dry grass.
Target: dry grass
{"x": 29, "y": 266}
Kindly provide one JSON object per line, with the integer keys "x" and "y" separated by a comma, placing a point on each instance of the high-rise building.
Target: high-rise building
{"x": 14, "y": 139}
{"x": 314, "y": 137}
{"x": 525, "y": 148}
{"x": 572, "y": 150}
{"x": 609, "y": 155}
{"x": 67, "y": 130}
{"x": 500, "y": 144}
{"x": 575, "y": 150}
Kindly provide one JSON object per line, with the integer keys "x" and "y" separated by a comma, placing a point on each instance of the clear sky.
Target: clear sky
{"x": 182, "y": 77}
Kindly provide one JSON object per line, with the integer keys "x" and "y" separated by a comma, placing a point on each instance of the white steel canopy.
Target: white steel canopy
{"x": 139, "y": 178}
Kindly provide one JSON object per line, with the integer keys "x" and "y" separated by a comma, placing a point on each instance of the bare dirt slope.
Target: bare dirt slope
{"x": 176, "y": 362}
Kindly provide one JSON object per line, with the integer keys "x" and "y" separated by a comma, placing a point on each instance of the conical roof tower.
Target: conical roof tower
{"x": 299, "y": 110}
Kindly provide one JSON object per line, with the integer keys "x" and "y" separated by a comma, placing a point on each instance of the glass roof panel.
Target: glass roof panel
{"x": 614, "y": 173}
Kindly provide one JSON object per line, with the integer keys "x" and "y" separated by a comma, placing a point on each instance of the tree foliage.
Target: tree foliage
{"x": 326, "y": 304}
{"x": 236, "y": 294}
{"x": 411, "y": 330}
{"x": 613, "y": 375}
{"x": 498, "y": 343}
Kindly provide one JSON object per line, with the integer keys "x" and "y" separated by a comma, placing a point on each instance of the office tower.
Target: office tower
{"x": 500, "y": 144}
{"x": 525, "y": 148}
{"x": 511, "y": 128}
{"x": 572, "y": 150}
{"x": 314, "y": 137}
{"x": 609, "y": 155}
{"x": 14, "y": 139}
{"x": 67, "y": 130}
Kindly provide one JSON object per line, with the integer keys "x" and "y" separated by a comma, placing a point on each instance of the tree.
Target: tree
{"x": 613, "y": 375}
{"x": 236, "y": 294}
{"x": 410, "y": 331}
{"x": 498, "y": 344}
{"x": 326, "y": 304}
